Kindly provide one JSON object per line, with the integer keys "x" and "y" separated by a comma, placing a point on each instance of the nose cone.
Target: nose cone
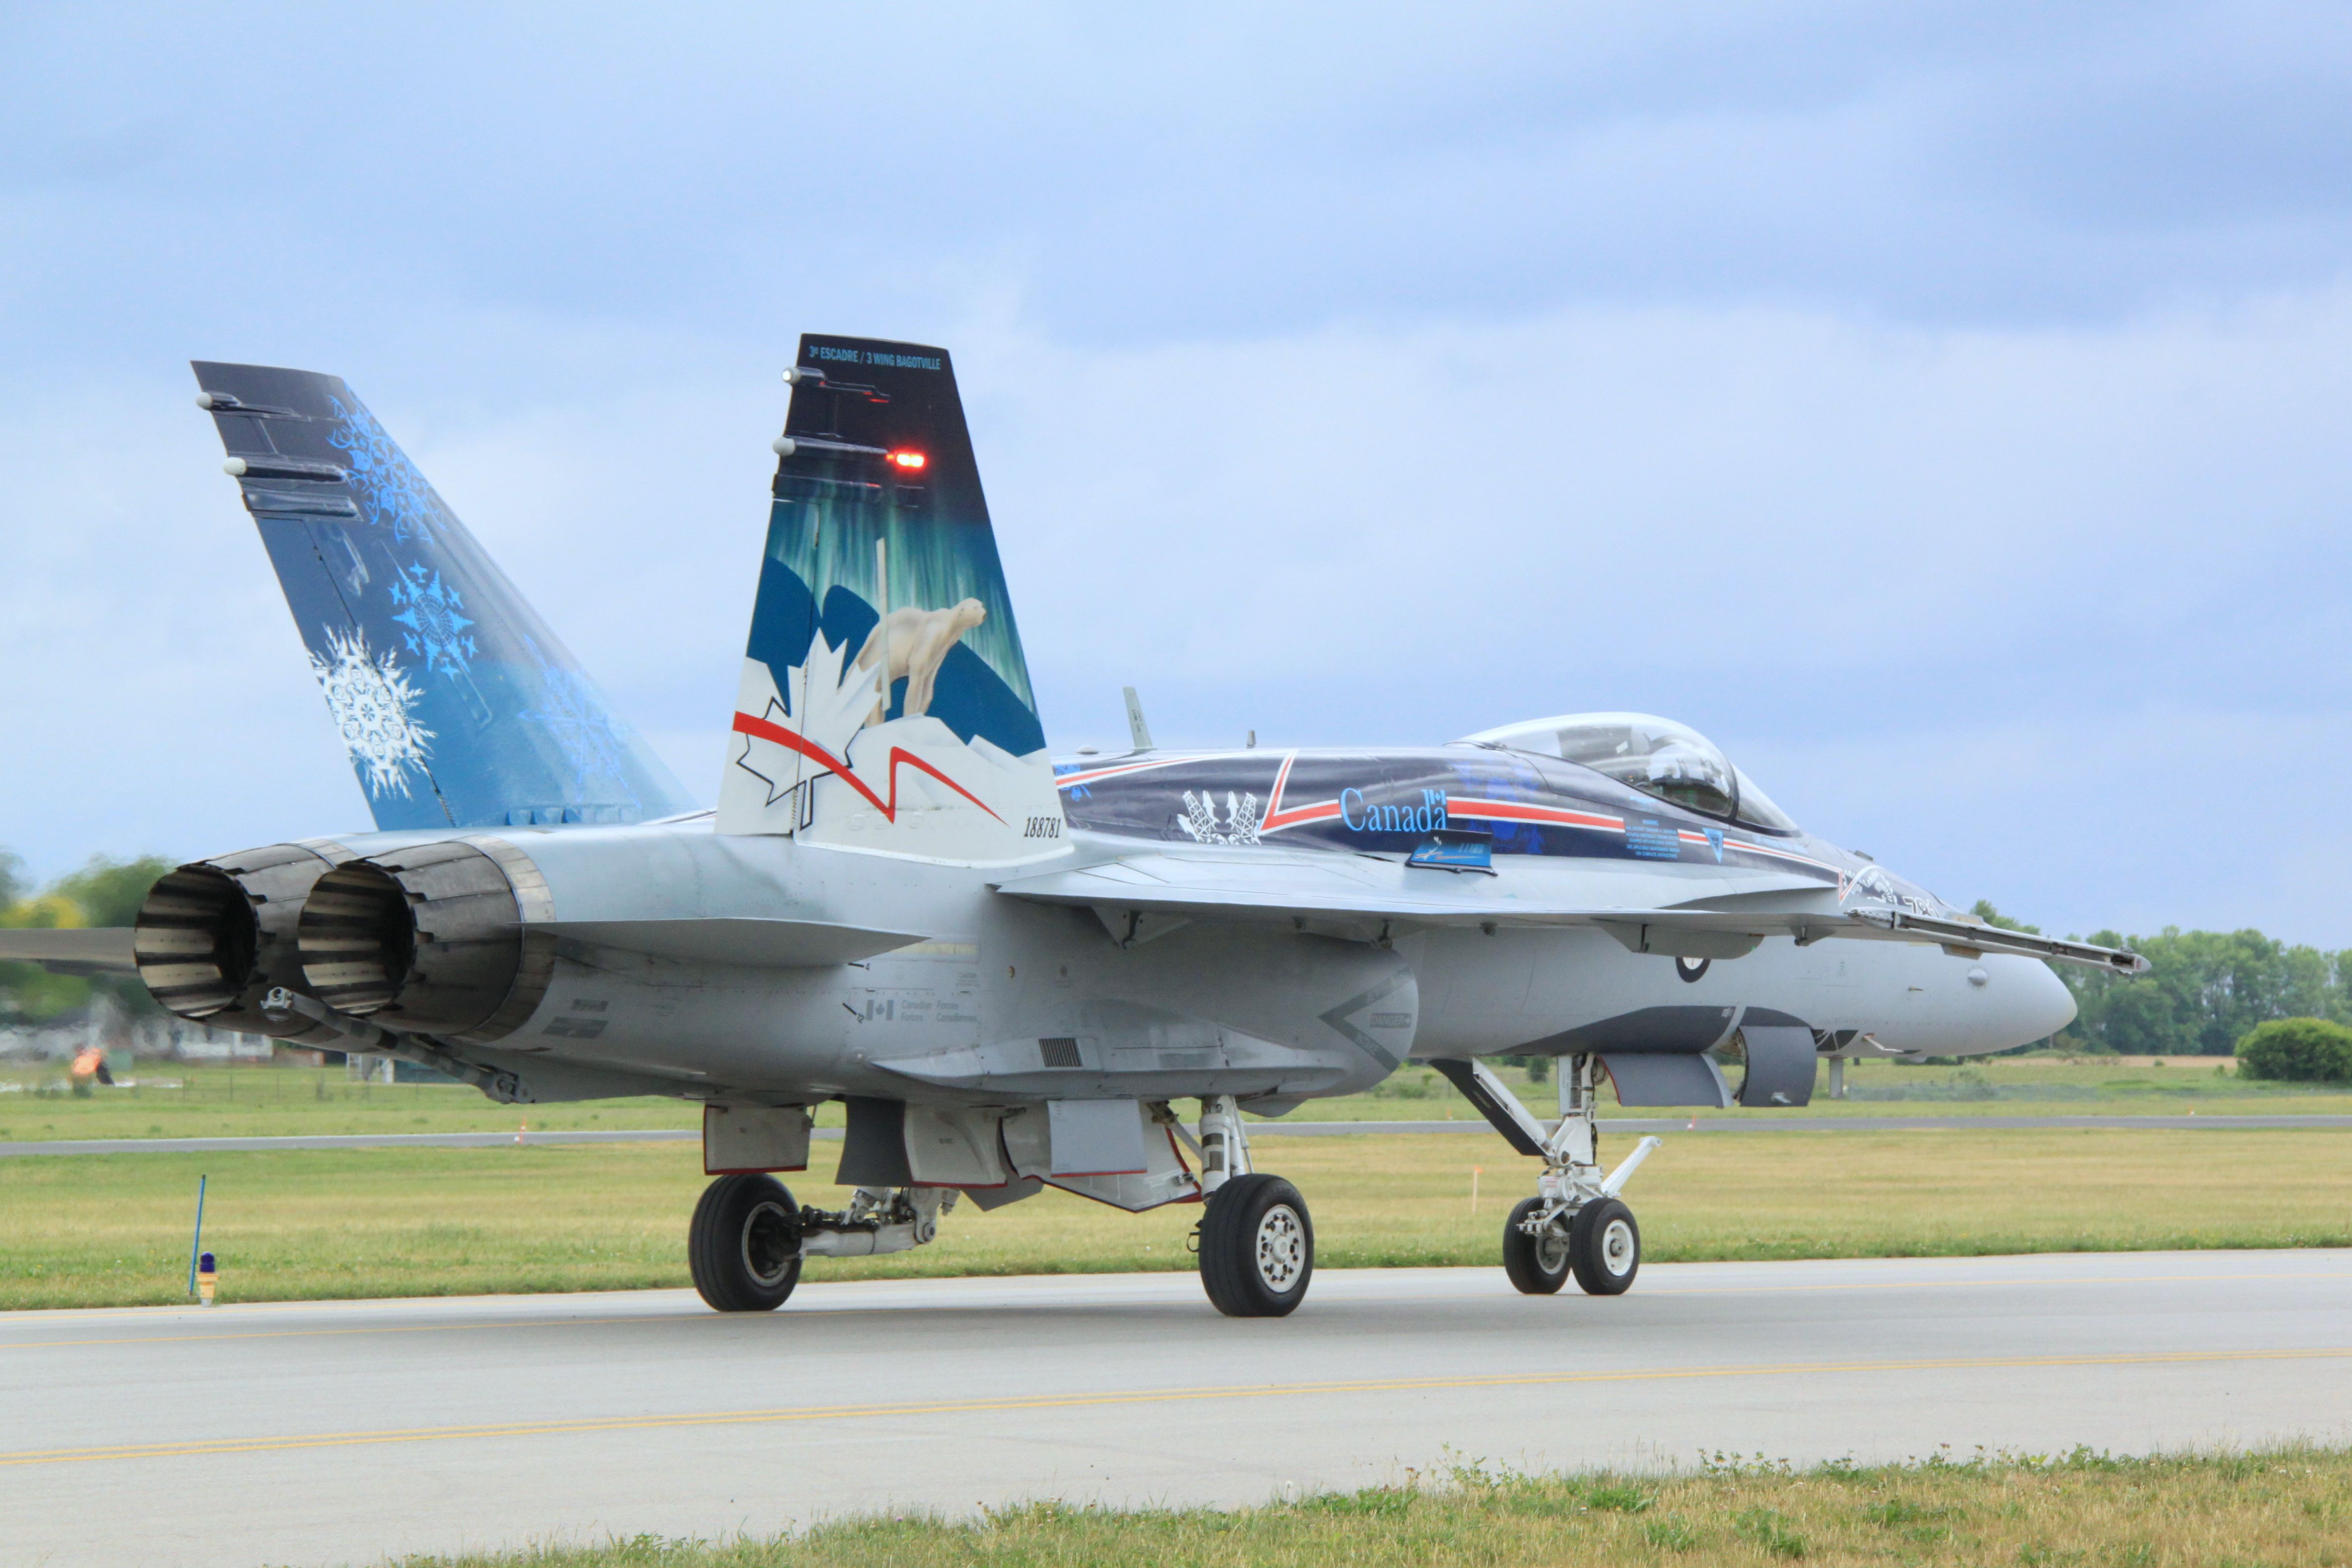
{"x": 2035, "y": 1002}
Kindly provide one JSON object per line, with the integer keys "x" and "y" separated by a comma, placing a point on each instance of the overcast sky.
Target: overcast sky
{"x": 1943, "y": 406}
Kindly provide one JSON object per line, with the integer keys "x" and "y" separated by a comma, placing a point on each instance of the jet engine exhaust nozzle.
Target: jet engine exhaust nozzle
{"x": 432, "y": 939}
{"x": 217, "y": 936}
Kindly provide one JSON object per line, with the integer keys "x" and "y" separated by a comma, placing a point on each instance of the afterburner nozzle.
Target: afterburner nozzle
{"x": 216, "y": 936}
{"x": 434, "y": 940}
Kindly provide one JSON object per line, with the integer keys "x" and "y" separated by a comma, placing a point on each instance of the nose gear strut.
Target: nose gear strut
{"x": 1575, "y": 1223}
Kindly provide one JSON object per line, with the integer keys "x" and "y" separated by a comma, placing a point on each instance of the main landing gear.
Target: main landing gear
{"x": 743, "y": 1247}
{"x": 1257, "y": 1244}
{"x": 1256, "y": 1238}
{"x": 747, "y": 1240}
{"x": 1576, "y": 1223}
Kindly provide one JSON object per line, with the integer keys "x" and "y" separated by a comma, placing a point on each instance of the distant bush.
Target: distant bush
{"x": 2298, "y": 1050}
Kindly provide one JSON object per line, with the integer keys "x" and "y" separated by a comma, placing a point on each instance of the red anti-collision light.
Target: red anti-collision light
{"x": 911, "y": 461}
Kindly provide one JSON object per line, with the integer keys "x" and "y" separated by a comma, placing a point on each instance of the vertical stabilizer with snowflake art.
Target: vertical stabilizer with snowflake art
{"x": 884, "y": 702}
{"x": 458, "y": 706}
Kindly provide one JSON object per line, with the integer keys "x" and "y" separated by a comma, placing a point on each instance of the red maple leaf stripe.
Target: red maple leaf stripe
{"x": 761, "y": 729}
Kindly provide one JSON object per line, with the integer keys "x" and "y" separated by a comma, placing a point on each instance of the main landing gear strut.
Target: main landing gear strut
{"x": 1257, "y": 1244}
{"x": 745, "y": 1245}
{"x": 1576, "y": 1223}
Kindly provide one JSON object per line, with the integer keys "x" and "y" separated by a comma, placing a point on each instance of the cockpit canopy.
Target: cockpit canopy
{"x": 1656, "y": 756}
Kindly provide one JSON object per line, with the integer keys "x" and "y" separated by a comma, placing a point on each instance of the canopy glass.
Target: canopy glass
{"x": 1655, "y": 755}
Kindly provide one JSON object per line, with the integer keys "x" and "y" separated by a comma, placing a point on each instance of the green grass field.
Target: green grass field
{"x": 167, "y": 1101}
{"x": 112, "y": 1230}
{"x": 2289, "y": 1508}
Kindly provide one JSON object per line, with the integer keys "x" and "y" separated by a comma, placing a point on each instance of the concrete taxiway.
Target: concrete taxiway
{"x": 346, "y": 1432}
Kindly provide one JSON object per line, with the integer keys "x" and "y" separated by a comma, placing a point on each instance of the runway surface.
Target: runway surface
{"x": 1766, "y": 1124}
{"x": 347, "y": 1432}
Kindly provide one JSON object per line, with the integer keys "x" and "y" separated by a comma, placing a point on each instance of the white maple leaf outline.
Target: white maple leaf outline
{"x": 829, "y": 709}
{"x": 822, "y": 707}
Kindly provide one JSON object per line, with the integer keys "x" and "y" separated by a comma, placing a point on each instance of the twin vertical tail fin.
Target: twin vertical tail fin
{"x": 884, "y": 702}
{"x": 458, "y": 706}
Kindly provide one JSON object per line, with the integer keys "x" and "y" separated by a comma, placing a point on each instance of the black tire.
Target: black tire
{"x": 744, "y": 1246}
{"x": 1257, "y": 1247}
{"x": 1539, "y": 1265}
{"x": 1606, "y": 1247}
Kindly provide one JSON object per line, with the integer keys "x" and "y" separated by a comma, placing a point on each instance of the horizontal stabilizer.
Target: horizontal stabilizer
{"x": 1722, "y": 918}
{"x": 82, "y": 952}
{"x": 752, "y": 943}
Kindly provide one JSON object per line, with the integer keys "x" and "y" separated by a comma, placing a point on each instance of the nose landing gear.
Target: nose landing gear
{"x": 1575, "y": 1225}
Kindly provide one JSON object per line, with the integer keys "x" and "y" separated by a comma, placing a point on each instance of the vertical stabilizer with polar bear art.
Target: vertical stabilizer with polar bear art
{"x": 884, "y": 702}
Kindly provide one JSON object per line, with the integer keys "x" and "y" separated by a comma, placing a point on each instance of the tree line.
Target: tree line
{"x": 104, "y": 892}
{"x": 2203, "y": 993}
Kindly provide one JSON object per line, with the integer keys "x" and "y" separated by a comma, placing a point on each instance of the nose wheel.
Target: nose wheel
{"x": 1598, "y": 1244}
{"x": 1604, "y": 1247}
{"x": 1538, "y": 1263}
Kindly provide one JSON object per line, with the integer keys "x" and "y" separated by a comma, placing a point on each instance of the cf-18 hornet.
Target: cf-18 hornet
{"x": 1011, "y": 969}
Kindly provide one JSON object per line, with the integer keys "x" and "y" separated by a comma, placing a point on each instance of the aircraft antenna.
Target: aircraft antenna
{"x": 1137, "y": 730}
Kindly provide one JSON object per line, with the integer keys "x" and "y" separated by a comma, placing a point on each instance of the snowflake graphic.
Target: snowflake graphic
{"x": 437, "y": 632}
{"x": 1199, "y": 818}
{"x": 371, "y": 698}
{"x": 571, "y": 710}
{"x": 394, "y": 492}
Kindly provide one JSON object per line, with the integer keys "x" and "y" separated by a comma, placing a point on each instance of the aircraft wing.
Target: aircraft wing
{"x": 1711, "y": 915}
{"x": 78, "y": 951}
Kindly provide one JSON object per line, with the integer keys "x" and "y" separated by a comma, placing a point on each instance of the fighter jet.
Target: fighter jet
{"x": 1012, "y": 969}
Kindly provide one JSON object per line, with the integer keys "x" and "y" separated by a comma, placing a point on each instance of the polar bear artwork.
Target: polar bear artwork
{"x": 916, "y": 643}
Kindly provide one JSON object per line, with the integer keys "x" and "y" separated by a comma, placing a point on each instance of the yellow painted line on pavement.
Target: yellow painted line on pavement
{"x": 216, "y": 1445}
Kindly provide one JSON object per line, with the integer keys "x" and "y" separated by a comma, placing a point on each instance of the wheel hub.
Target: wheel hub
{"x": 1551, "y": 1249}
{"x": 770, "y": 1243}
{"x": 1281, "y": 1249}
{"x": 1617, "y": 1248}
